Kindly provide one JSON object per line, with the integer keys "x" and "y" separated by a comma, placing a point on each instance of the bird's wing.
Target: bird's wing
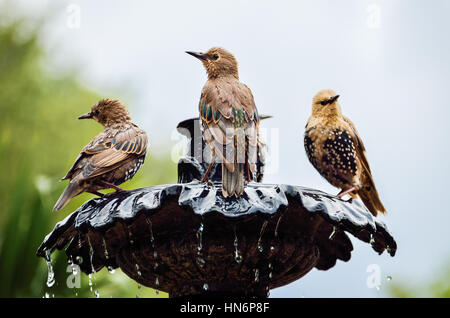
{"x": 360, "y": 149}
{"x": 230, "y": 120}
{"x": 107, "y": 151}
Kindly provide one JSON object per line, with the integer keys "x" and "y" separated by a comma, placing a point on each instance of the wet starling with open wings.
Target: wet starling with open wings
{"x": 230, "y": 120}
{"x": 335, "y": 149}
{"x": 111, "y": 158}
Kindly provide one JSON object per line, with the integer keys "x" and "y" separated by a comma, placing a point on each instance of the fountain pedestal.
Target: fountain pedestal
{"x": 187, "y": 239}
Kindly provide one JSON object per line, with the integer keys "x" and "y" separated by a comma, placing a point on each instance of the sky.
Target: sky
{"x": 388, "y": 60}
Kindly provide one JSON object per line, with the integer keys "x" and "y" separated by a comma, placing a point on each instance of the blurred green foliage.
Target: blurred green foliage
{"x": 39, "y": 140}
{"x": 439, "y": 287}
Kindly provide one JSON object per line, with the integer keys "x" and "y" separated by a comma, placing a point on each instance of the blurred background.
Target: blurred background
{"x": 389, "y": 61}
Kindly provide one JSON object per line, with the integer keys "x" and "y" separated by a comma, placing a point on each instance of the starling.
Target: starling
{"x": 230, "y": 121}
{"x": 335, "y": 149}
{"x": 111, "y": 158}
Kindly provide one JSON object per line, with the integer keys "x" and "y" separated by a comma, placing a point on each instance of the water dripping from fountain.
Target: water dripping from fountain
{"x": 333, "y": 233}
{"x": 152, "y": 242}
{"x": 372, "y": 240}
{"x": 278, "y": 224}
{"x": 237, "y": 256}
{"x": 51, "y": 273}
{"x": 261, "y": 232}
{"x": 200, "y": 260}
{"x": 138, "y": 271}
{"x": 91, "y": 258}
{"x": 270, "y": 270}
{"x": 256, "y": 270}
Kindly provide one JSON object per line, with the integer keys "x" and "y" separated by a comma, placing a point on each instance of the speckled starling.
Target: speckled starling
{"x": 335, "y": 149}
{"x": 230, "y": 121}
{"x": 111, "y": 158}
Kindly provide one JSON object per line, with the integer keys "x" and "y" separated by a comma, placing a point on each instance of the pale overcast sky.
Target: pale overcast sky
{"x": 389, "y": 61}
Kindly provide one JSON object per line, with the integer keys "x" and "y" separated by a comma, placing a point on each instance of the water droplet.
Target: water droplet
{"x": 389, "y": 278}
{"x": 261, "y": 232}
{"x": 51, "y": 274}
{"x": 256, "y": 275}
{"x": 388, "y": 249}
{"x": 111, "y": 270}
{"x": 270, "y": 270}
{"x": 90, "y": 280}
{"x": 156, "y": 292}
{"x": 372, "y": 240}
{"x": 272, "y": 249}
{"x": 139, "y": 287}
{"x": 278, "y": 224}
{"x": 200, "y": 261}
{"x": 47, "y": 295}
{"x": 79, "y": 260}
{"x": 137, "y": 269}
{"x": 333, "y": 233}
{"x": 237, "y": 256}
{"x": 205, "y": 286}
{"x": 106, "y": 250}
{"x": 152, "y": 238}
{"x": 91, "y": 254}
{"x": 97, "y": 294}
{"x": 157, "y": 281}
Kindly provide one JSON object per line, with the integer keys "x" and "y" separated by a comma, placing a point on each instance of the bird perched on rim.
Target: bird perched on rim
{"x": 111, "y": 158}
{"x": 230, "y": 120}
{"x": 335, "y": 149}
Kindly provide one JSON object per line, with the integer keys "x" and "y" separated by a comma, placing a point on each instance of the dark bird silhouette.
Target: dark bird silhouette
{"x": 335, "y": 149}
{"x": 230, "y": 120}
{"x": 111, "y": 158}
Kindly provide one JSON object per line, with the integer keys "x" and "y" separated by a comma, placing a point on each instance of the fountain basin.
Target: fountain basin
{"x": 187, "y": 239}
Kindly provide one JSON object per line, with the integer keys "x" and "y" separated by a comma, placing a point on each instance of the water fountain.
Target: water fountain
{"x": 186, "y": 239}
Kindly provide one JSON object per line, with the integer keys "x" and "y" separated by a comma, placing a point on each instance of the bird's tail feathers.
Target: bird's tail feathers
{"x": 370, "y": 198}
{"x": 233, "y": 182}
{"x": 73, "y": 189}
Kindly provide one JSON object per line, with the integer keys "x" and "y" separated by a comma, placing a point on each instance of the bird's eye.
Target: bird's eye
{"x": 324, "y": 102}
{"x": 215, "y": 56}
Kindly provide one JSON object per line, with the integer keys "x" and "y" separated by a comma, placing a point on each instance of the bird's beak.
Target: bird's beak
{"x": 334, "y": 98}
{"x": 262, "y": 117}
{"x": 200, "y": 56}
{"x": 86, "y": 116}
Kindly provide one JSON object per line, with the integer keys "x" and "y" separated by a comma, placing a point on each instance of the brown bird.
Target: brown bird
{"x": 335, "y": 149}
{"x": 111, "y": 158}
{"x": 230, "y": 120}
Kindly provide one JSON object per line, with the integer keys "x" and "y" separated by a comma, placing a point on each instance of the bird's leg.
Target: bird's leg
{"x": 110, "y": 185}
{"x": 342, "y": 193}
{"x": 247, "y": 169}
{"x": 213, "y": 159}
{"x": 205, "y": 177}
{"x": 101, "y": 195}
